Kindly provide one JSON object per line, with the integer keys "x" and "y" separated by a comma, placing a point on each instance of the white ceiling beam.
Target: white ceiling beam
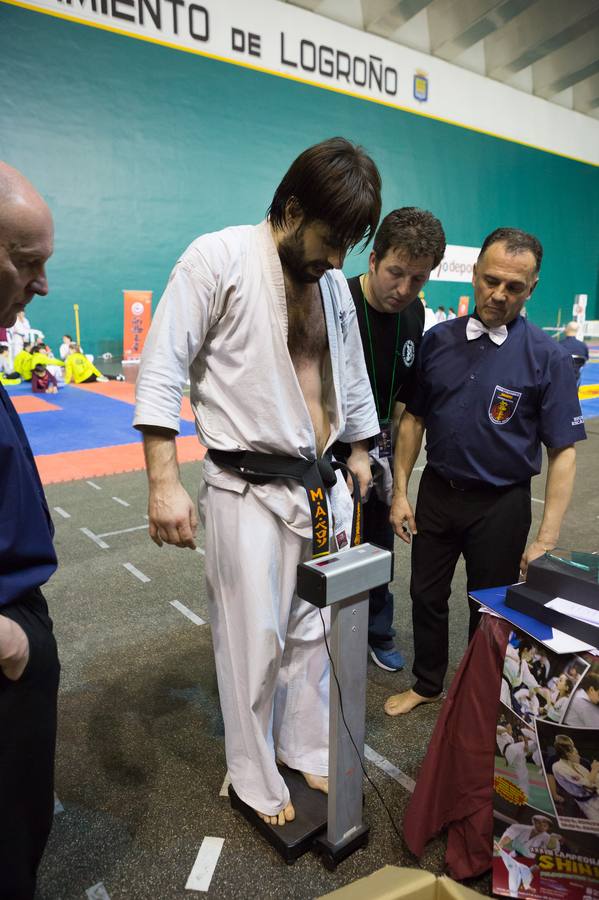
{"x": 539, "y": 30}
{"x": 586, "y": 95}
{"x": 457, "y": 25}
{"x": 565, "y": 67}
{"x": 383, "y": 17}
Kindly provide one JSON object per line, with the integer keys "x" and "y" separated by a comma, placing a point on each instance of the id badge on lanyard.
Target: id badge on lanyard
{"x": 384, "y": 441}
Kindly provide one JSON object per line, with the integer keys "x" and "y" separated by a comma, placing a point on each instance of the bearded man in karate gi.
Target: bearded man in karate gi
{"x": 264, "y": 324}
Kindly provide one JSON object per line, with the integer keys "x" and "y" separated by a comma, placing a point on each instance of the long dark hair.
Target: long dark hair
{"x": 334, "y": 182}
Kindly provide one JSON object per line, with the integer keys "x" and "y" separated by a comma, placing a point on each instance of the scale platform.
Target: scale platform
{"x": 295, "y": 838}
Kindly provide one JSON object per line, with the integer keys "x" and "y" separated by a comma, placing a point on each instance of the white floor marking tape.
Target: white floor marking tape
{"x": 205, "y": 864}
{"x": 186, "y": 612}
{"x": 201, "y": 551}
{"x": 389, "y": 769}
{"x": 94, "y": 537}
{"x": 62, "y": 512}
{"x": 92, "y": 484}
{"x": 123, "y": 531}
{"x": 58, "y": 807}
{"x": 122, "y": 502}
{"x": 131, "y": 568}
{"x": 534, "y": 500}
{"x": 224, "y": 791}
{"x": 97, "y": 892}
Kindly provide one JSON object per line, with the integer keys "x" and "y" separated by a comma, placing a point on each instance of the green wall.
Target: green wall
{"x": 139, "y": 148}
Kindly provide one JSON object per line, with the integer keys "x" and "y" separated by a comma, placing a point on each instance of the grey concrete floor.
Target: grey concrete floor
{"x": 140, "y": 758}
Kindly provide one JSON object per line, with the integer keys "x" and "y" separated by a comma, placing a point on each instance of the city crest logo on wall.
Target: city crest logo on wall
{"x": 420, "y": 86}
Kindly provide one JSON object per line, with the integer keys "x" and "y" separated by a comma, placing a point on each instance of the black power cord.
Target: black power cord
{"x": 358, "y": 754}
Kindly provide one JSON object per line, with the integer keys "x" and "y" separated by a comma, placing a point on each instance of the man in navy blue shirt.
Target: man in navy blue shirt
{"x": 29, "y": 667}
{"x": 492, "y": 388}
{"x": 577, "y": 350}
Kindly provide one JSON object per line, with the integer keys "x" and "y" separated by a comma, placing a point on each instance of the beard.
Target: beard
{"x": 293, "y": 259}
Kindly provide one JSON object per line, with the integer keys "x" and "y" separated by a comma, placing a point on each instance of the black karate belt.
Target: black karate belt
{"x": 316, "y": 476}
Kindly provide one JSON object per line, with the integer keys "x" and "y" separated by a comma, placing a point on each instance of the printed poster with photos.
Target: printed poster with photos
{"x": 546, "y": 784}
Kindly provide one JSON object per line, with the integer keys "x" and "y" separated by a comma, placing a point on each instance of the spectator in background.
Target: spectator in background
{"x": 23, "y": 361}
{"x": 65, "y": 346}
{"x": 79, "y": 369}
{"x": 7, "y": 373}
{"x": 42, "y": 381}
{"x": 42, "y": 355}
{"x": 441, "y": 315}
{"x": 451, "y": 313}
{"x": 430, "y": 318}
{"x": 21, "y": 332}
{"x": 578, "y": 350}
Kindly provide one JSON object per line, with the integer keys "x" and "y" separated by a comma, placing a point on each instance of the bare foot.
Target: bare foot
{"x": 286, "y": 815}
{"x": 317, "y": 782}
{"x": 400, "y": 704}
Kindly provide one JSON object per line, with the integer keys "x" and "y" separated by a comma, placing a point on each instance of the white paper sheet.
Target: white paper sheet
{"x": 575, "y": 610}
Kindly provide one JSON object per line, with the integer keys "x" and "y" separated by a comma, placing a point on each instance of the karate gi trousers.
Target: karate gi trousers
{"x": 271, "y": 660}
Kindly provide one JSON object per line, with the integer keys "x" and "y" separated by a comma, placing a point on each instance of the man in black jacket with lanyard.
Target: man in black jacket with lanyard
{"x": 409, "y": 243}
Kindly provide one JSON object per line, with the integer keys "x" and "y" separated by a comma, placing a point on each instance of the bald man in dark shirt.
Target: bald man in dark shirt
{"x": 29, "y": 667}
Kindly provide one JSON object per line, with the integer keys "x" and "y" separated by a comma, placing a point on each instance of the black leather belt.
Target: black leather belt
{"x": 467, "y": 484}
{"x": 315, "y": 475}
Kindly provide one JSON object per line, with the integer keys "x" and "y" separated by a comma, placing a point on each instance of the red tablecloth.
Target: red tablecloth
{"x": 454, "y": 790}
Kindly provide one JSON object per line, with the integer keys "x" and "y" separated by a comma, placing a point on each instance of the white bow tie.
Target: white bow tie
{"x": 474, "y": 329}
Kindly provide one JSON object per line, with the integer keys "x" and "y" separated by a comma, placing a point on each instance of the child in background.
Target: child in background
{"x": 23, "y": 362}
{"x": 42, "y": 381}
{"x": 67, "y": 340}
{"x": 42, "y": 355}
{"x": 79, "y": 369}
{"x": 7, "y": 373}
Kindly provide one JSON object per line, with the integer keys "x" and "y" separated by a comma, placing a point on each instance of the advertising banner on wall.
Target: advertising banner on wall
{"x": 463, "y": 305}
{"x": 457, "y": 264}
{"x": 546, "y": 784}
{"x": 137, "y": 320}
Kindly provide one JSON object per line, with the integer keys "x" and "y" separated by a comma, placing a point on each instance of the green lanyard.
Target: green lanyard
{"x": 372, "y": 357}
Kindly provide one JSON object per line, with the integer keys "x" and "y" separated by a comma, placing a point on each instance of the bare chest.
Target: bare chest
{"x": 306, "y": 335}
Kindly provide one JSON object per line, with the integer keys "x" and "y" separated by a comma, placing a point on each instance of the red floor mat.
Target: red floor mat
{"x": 100, "y": 461}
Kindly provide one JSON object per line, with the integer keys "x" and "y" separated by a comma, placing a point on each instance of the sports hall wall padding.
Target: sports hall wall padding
{"x": 139, "y": 148}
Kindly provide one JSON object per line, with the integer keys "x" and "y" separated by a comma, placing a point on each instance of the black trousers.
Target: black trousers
{"x": 378, "y": 530}
{"x": 27, "y": 744}
{"x": 489, "y": 526}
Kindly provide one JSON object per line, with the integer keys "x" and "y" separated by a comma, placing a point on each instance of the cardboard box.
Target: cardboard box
{"x": 394, "y": 883}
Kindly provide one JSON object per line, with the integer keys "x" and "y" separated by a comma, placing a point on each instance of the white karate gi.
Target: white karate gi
{"x": 525, "y": 841}
{"x": 575, "y": 780}
{"x": 582, "y": 712}
{"x": 224, "y": 316}
{"x": 519, "y": 875}
{"x": 515, "y": 756}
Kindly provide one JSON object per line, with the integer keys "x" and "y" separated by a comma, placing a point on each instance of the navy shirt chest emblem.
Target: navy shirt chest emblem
{"x": 504, "y": 403}
{"x": 408, "y": 353}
